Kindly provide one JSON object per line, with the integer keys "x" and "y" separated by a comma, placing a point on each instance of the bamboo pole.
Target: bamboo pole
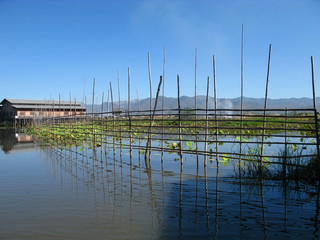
{"x": 315, "y": 106}
{"x": 195, "y": 101}
{"x": 107, "y": 128}
{"x": 284, "y": 163}
{"x": 150, "y": 83}
{"x": 162, "y": 105}
{"x": 265, "y": 103}
{"x": 206, "y": 127}
{"x": 120, "y": 123}
{"x": 241, "y": 99}
{"x": 93, "y": 91}
{"x": 215, "y": 106}
{"x": 101, "y": 120}
{"x": 113, "y": 120}
{"x": 129, "y": 110}
{"x": 148, "y": 145}
{"x": 179, "y": 120}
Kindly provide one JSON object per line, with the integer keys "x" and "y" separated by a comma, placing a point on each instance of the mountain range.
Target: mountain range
{"x": 222, "y": 103}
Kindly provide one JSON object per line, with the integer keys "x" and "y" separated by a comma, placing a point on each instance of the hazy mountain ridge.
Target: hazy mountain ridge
{"x": 222, "y": 103}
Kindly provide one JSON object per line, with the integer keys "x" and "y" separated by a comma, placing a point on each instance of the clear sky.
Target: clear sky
{"x": 52, "y": 47}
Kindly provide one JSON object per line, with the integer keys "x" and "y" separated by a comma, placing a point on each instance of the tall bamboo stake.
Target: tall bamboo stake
{"x": 206, "y": 128}
{"x": 162, "y": 105}
{"x": 265, "y": 105}
{"x": 284, "y": 164}
{"x": 241, "y": 121}
{"x": 93, "y": 89}
{"x": 315, "y": 106}
{"x": 148, "y": 145}
{"x": 107, "y": 128}
{"x": 150, "y": 82}
{"x": 113, "y": 120}
{"x": 241, "y": 99}
{"x": 179, "y": 120}
{"x": 101, "y": 120}
{"x": 102, "y": 104}
{"x": 120, "y": 123}
{"x": 195, "y": 102}
{"x": 129, "y": 110}
{"x": 70, "y": 115}
{"x": 215, "y": 105}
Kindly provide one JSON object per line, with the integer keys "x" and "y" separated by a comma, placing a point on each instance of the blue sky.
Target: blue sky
{"x": 52, "y": 47}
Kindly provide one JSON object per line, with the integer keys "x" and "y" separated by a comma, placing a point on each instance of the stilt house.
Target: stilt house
{"x": 34, "y": 109}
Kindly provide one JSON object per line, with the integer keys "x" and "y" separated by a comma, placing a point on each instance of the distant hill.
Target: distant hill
{"x": 222, "y": 103}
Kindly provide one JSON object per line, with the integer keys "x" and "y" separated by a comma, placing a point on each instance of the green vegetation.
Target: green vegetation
{"x": 166, "y": 135}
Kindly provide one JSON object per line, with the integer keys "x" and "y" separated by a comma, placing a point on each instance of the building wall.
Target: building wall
{"x": 38, "y": 113}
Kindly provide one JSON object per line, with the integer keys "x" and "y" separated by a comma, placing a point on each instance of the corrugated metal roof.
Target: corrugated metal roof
{"x": 39, "y": 102}
{"x": 48, "y": 107}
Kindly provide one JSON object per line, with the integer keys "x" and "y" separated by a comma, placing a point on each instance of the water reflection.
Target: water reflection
{"x": 174, "y": 205}
{"x": 105, "y": 193}
{"x": 10, "y": 141}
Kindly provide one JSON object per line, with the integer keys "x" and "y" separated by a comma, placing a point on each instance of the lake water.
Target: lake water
{"x": 48, "y": 193}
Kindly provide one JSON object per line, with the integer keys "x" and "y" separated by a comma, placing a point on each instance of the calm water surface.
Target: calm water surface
{"x": 74, "y": 193}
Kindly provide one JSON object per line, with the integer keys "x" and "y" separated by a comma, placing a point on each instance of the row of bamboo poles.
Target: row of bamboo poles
{"x": 177, "y": 128}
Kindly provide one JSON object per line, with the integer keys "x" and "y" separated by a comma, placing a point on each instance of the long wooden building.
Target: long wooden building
{"x": 12, "y": 109}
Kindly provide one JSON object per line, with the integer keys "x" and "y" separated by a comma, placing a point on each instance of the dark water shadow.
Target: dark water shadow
{"x": 224, "y": 208}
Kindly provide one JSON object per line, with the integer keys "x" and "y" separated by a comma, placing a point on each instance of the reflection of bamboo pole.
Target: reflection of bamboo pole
{"x": 180, "y": 212}
{"x": 263, "y": 209}
{"x": 197, "y": 196}
{"x": 216, "y": 222}
{"x": 207, "y": 201}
